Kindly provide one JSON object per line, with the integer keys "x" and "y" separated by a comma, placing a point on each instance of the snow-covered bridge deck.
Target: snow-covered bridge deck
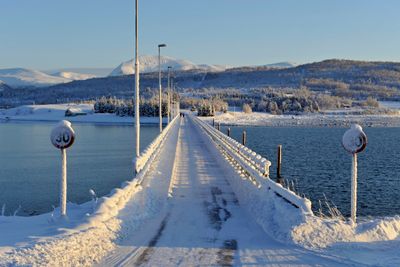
{"x": 202, "y": 222}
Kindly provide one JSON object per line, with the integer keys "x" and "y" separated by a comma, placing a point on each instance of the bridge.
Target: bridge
{"x": 216, "y": 205}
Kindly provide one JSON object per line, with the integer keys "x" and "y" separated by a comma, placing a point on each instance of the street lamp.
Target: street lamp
{"x": 137, "y": 115}
{"x": 159, "y": 83}
{"x": 169, "y": 94}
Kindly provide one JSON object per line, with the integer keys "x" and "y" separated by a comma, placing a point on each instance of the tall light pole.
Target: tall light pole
{"x": 169, "y": 94}
{"x": 137, "y": 115}
{"x": 159, "y": 84}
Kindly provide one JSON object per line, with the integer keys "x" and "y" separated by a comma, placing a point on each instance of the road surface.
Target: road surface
{"x": 203, "y": 223}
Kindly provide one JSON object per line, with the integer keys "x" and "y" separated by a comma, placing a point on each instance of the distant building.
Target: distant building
{"x": 72, "y": 112}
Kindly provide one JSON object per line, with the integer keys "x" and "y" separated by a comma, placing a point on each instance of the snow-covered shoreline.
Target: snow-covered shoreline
{"x": 56, "y": 112}
{"x": 305, "y": 120}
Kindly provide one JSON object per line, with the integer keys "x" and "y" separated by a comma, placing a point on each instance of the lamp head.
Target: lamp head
{"x": 162, "y": 45}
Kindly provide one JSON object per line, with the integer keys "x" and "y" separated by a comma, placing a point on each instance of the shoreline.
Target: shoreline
{"x": 256, "y": 119}
{"x": 56, "y": 112}
{"x": 121, "y": 123}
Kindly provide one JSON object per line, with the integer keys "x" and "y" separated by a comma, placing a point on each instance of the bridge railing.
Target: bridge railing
{"x": 255, "y": 165}
{"x": 109, "y": 205}
{"x": 144, "y": 160}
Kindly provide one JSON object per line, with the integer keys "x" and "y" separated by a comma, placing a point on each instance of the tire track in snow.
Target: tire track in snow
{"x": 145, "y": 255}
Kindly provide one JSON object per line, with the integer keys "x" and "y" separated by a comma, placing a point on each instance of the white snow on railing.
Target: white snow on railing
{"x": 109, "y": 206}
{"x": 255, "y": 165}
{"x": 148, "y": 153}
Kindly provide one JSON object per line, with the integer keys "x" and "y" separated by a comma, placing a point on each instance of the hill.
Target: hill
{"x": 73, "y": 76}
{"x": 4, "y": 86}
{"x": 353, "y": 79}
{"x": 19, "y": 77}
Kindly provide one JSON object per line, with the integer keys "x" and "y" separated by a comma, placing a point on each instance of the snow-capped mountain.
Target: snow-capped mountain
{"x": 282, "y": 65}
{"x": 20, "y": 77}
{"x": 94, "y": 71}
{"x": 74, "y": 76}
{"x": 150, "y": 64}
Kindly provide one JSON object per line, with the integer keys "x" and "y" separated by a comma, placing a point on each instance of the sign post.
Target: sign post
{"x": 63, "y": 136}
{"x": 354, "y": 141}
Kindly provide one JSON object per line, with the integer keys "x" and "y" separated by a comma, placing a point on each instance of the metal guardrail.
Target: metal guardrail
{"x": 255, "y": 165}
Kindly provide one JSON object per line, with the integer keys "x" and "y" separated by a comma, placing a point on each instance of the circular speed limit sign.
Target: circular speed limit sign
{"x": 354, "y": 140}
{"x": 62, "y": 136}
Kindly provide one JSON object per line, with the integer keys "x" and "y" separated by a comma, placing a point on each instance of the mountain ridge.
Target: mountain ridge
{"x": 22, "y": 77}
{"x": 150, "y": 64}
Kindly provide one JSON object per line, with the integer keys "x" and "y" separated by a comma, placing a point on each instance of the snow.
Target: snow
{"x": 195, "y": 206}
{"x": 63, "y": 135}
{"x": 146, "y": 156}
{"x": 373, "y": 242}
{"x": 150, "y": 64}
{"x": 354, "y": 140}
{"x": 282, "y": 65}
{"x": 20, "y": 77}
{"x": 202, "y": 222}
{"x": 305, "y": 120}
{"x": 56, "y": 112}
{"x": 97, "y": 72}
{"x": 256, "y": 166}
{"x": 390, "y": 104}
{"x": 74, "y": 76}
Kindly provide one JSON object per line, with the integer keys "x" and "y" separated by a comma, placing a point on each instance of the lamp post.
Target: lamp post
{"x": 174, "y": 86}
{"x": 172, "y": 89}
{"x": 159, "y": 84}
{"x": 137, "y": 115}
{"x": 169, "y": 94}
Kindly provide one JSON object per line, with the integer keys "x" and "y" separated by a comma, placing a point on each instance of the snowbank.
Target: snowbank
{"x": 56, "y": 112}
{"x": 374, "y": 242}
{"x": 321, "y": 233}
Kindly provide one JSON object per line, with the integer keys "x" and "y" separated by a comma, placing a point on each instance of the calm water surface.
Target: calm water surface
{"x": 100, "y": 159}
{"x": 315, "y": 160}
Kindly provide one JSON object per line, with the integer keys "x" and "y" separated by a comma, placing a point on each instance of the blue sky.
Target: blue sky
{"x": 48, "y": 34}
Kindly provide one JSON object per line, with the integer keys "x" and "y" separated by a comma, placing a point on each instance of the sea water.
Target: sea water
{"x": 100, "y": 159}
{"x": 318, "y": 166}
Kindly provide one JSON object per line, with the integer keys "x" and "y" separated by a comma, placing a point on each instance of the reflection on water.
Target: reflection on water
{"x": 100, "y": 159}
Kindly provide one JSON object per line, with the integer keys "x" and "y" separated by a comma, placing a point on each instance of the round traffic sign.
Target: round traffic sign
{"x": 62, "y": 136}
{"x": 354, "y": 140}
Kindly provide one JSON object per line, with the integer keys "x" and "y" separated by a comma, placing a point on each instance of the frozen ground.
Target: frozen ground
{"x": 308, "y": 120}
{"x": 193, "y": 208}
{"x": 56, "y": 112}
